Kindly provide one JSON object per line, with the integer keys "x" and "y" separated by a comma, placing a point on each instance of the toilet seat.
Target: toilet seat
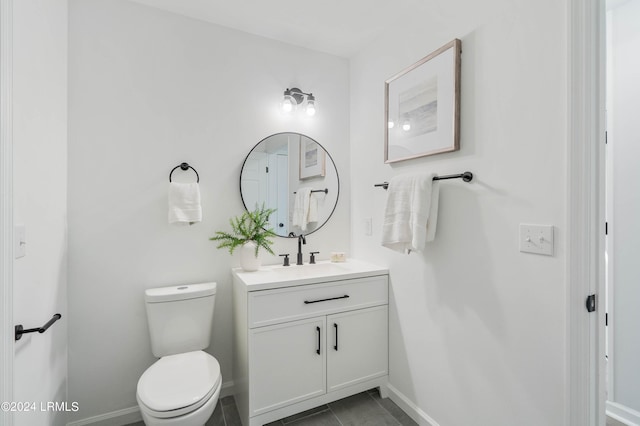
{"x": 178, "y": 384}
{"x": 178, "y": 412}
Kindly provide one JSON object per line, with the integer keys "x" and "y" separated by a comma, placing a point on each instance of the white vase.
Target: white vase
{"x": 248, "y": 259}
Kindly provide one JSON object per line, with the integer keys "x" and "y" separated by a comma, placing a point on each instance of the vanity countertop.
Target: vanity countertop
{"x": 278, "y": 276}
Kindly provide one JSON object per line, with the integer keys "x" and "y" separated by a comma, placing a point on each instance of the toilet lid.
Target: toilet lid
{"x": 177, "y": 381}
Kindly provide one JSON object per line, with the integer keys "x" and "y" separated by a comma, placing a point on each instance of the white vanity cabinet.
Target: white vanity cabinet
{"x": 302, "y": 342}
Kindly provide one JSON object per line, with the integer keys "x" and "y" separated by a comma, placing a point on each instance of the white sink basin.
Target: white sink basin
{"x": 275, "y": 276}
{"x": 311, "y": 269}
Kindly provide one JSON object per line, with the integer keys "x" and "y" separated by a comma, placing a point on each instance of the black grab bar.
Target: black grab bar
{"x": 20, "y": 330}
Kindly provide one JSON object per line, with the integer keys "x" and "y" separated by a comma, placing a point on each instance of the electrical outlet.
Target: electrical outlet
{"x": 536, "y": 239}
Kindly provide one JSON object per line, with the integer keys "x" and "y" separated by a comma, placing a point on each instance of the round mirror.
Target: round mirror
{"x": 294, "y": 175}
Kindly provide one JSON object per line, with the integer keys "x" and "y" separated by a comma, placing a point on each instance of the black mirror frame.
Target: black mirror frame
{"x": 332, "y": 162}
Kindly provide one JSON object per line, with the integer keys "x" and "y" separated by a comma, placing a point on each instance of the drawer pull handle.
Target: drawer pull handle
{"x": 306, "y": 302}
{"x": 336, "y": 327}
{"x": 318, "y": 350}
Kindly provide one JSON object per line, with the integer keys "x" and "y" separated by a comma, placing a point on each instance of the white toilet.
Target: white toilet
{"x": 183, "y": 386}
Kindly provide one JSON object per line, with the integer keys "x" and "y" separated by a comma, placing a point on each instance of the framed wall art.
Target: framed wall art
{"x": 312, "y": 159}
{"x": 422, "y": 106}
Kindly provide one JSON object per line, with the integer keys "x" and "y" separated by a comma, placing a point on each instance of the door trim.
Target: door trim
{"x": 586, "y": 241}
{"x": 6, "y": 208}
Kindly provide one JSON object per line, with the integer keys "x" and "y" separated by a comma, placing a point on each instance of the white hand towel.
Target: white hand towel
{"x": 312, "y": 215}
{"x": 184, "y": 203}
{"x": 411, "y": 213}
{"x": 301, "y": 208}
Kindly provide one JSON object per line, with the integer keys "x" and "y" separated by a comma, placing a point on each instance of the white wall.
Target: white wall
{"x": 40, "y": 202}
{"x": 477, "y": 329}
{"x": 149, "y": 90}
{"x": 624, "y": 229}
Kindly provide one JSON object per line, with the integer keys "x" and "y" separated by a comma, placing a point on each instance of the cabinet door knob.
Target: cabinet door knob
{"x": 336, "y": 328}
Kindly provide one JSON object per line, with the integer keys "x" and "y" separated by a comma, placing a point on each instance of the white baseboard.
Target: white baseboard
{"x": 114, "y": 418}
{"x": 228, "y": 389}
{"x": 132, "y": 414}
{"x": 419, "y": 416}
{"x": 623, "y": 414}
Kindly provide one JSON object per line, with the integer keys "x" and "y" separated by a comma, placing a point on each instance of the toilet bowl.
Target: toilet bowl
{"x": 182, "y": 387}
{"x": 179, "y": 390}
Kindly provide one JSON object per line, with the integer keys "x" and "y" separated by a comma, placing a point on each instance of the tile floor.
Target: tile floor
{"x": 363, "y": 409}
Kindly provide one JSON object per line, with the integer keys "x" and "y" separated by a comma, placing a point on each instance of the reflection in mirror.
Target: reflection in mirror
{"x": 295, "y": 175}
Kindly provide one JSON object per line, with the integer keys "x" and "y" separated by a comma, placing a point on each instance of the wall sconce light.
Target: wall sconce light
{"x": 294, "y": 97}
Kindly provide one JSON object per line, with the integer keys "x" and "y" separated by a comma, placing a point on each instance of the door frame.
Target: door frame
{"x": 586, "y": 368}
{"x": 6, "y": 208}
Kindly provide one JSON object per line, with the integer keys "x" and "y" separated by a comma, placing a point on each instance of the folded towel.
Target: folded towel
{"x": 184, "y": 203}
{"x": 305, "y": 208}
{"x": 411, "y": 213}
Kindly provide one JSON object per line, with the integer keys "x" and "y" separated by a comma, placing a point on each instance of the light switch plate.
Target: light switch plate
{"x": 536, "y": 239}
{"x": 368, "y": 226}
{"x": 20, "y": 241}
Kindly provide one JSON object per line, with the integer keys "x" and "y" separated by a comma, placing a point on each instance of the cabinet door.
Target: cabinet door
{"x": 357, "y": 347}
{"x": 287, "y": 364}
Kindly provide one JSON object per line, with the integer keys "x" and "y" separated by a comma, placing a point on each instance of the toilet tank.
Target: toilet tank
{"x": 180, "y": 317}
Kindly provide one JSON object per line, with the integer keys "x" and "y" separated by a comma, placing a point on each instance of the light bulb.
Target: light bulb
{"x": 288, "y": 102}
{"x": 311, "y": 105}
{"x": 311, "y": 108}
{"x": 287, "y": 105}
{"x": 391, "y": 124}
{"x": 406, "y": 126}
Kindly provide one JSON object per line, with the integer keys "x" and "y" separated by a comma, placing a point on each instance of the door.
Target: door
{"x": 283, "y": 195}
{"x": 357, "y": 348}
{"x": 278, "y": 192}
{"x": 287, "y": 364}
{"x": 255, "y": 181}
{"x": 622, "y": 212}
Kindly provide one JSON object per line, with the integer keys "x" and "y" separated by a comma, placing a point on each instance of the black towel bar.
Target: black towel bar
{"x": 184, "y": 166}
{"x": 19, "y": 330}
{"x": 326, "y": 190}
{"x": 466, "y": 176}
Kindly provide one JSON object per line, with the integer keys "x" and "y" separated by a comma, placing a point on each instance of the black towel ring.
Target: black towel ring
{"x": 184, "y": 166}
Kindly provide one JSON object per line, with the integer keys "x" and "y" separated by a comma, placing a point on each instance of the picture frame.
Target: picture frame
{"x": 422, "y": 106}
{"x": 312, "y": 159}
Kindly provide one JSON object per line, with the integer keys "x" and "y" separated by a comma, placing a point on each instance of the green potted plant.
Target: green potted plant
{"x": 249, "y": 231}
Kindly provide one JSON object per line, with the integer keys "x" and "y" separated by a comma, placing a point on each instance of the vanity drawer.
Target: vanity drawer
{"x": 268, "y": 307}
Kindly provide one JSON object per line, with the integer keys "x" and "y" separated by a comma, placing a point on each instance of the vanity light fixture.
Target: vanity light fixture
{"x": 294, "y": 97}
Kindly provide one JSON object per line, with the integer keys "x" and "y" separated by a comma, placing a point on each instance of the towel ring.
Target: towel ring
{"x": 185, "y": 166}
